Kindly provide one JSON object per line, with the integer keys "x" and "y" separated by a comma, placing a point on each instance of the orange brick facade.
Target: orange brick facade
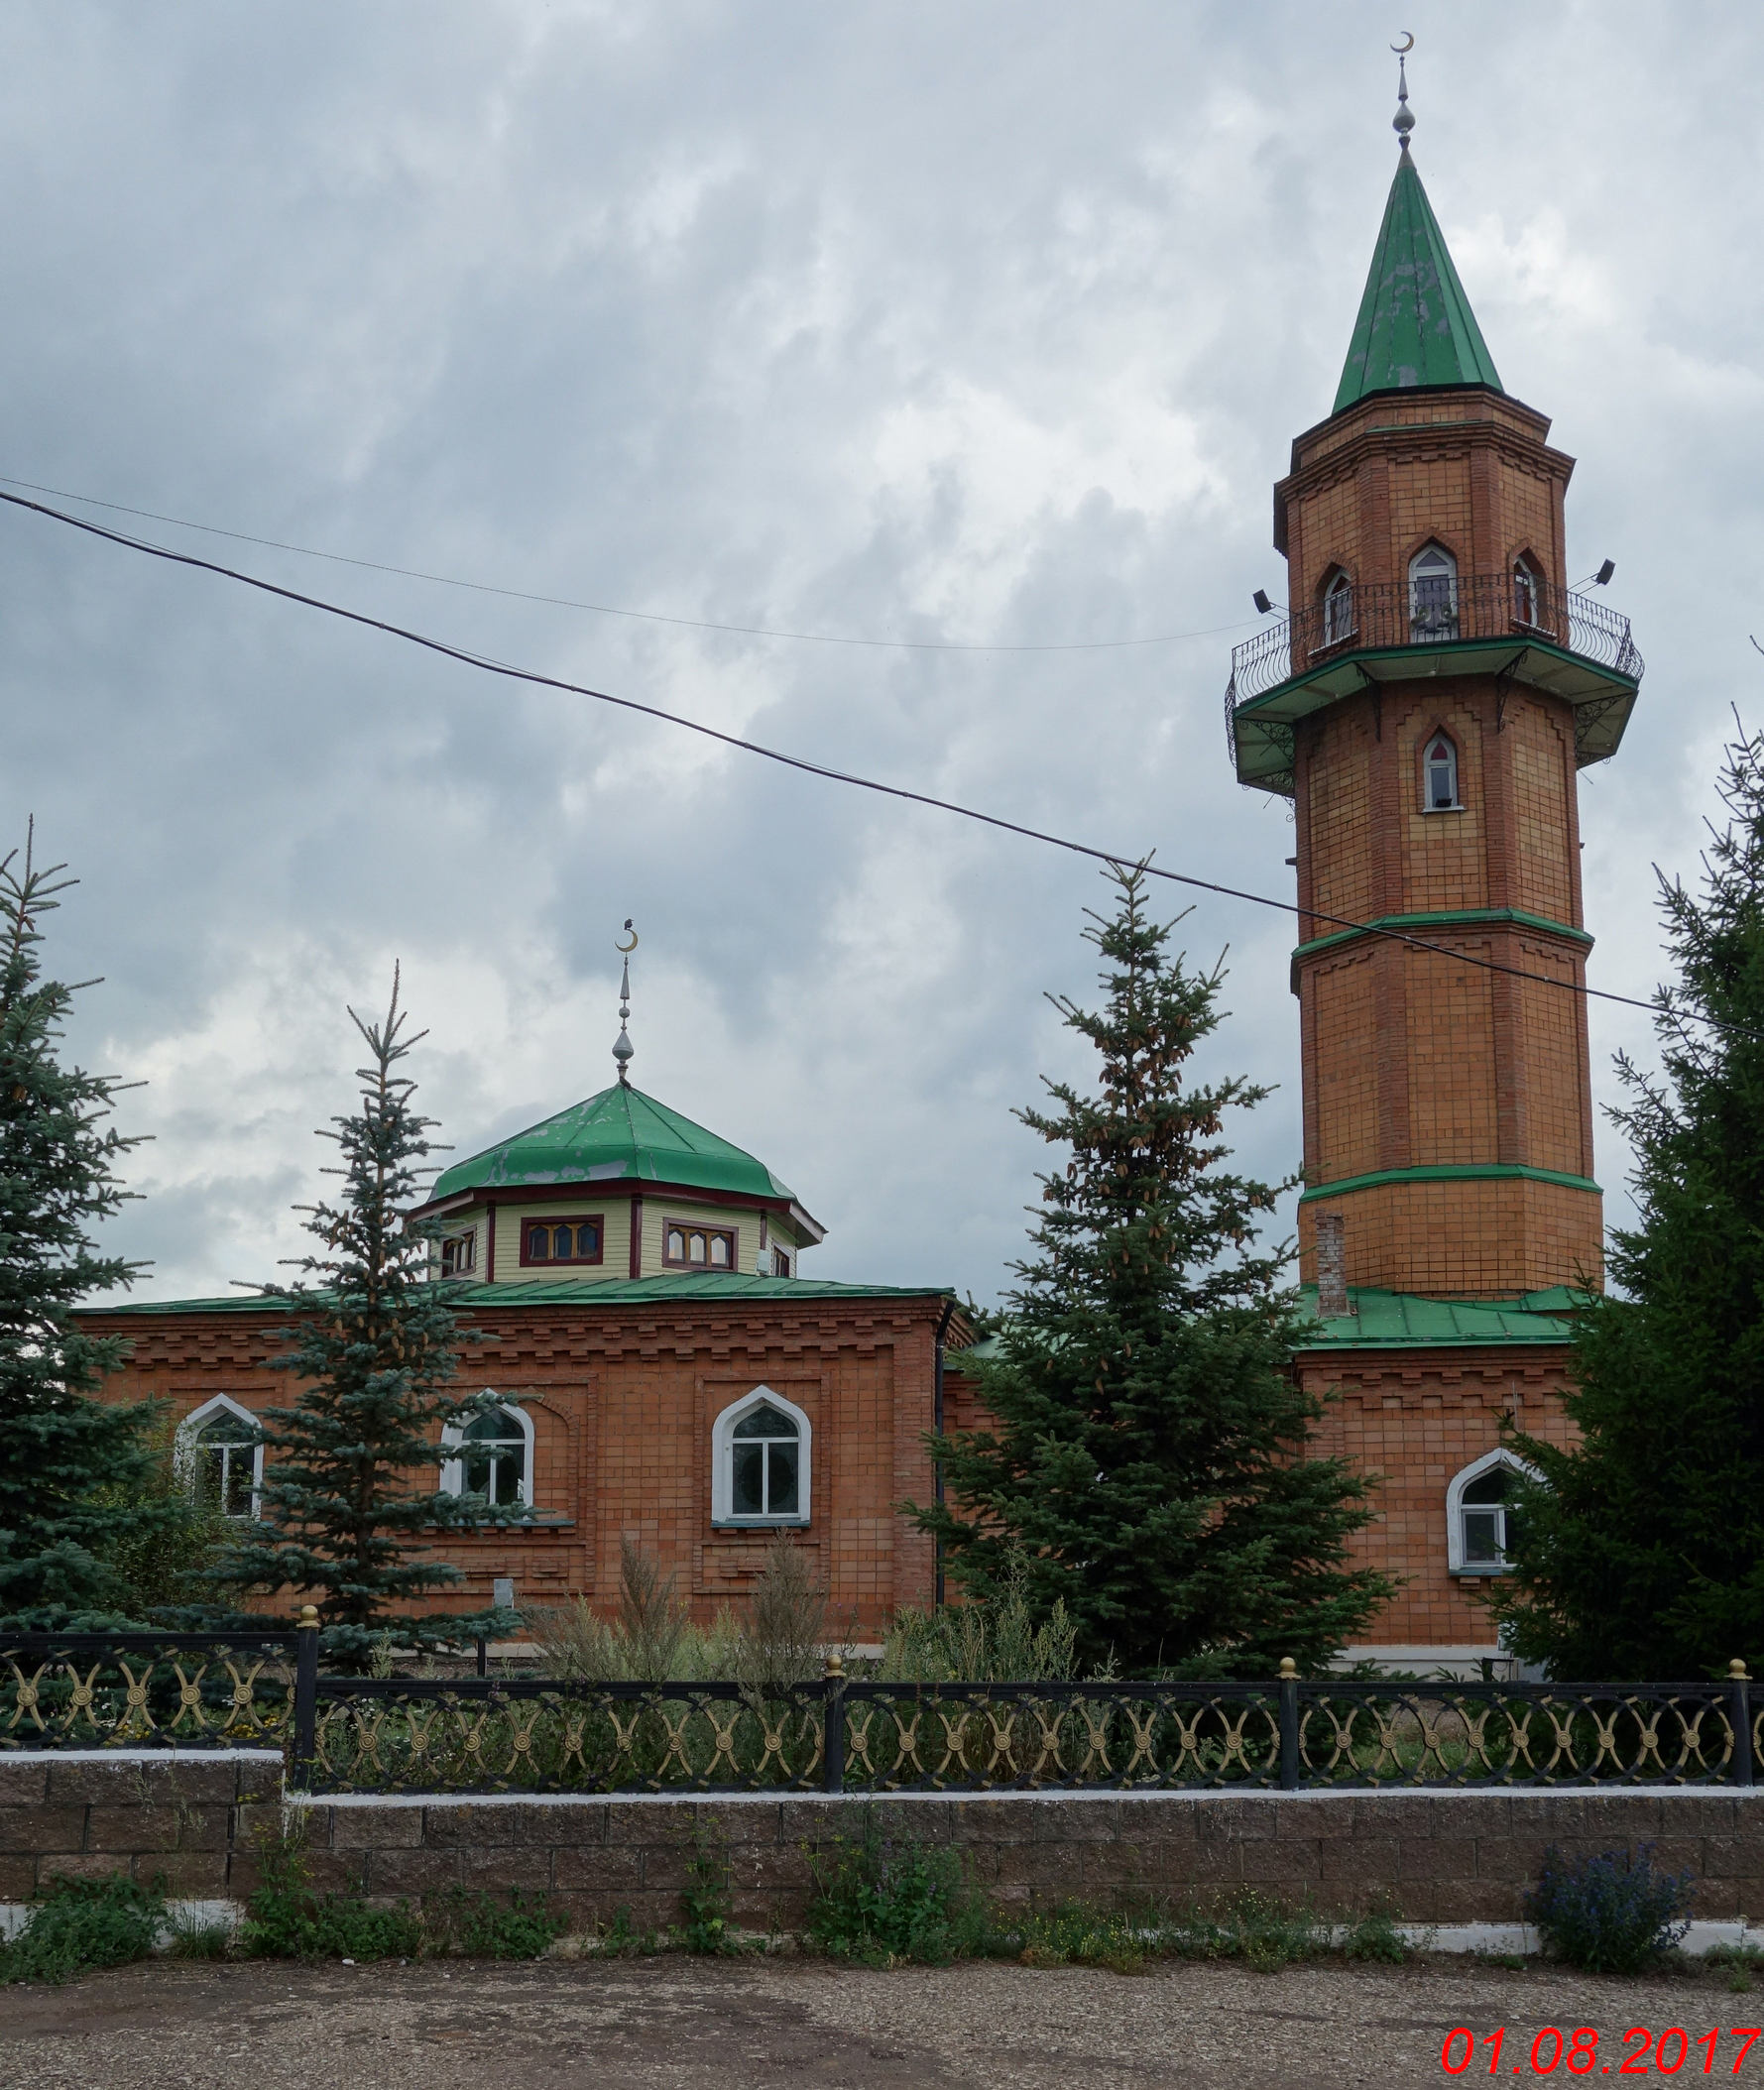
{"x": 623, "y": 1403}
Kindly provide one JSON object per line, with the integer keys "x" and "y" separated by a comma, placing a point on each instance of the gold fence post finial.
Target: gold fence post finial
{"x": 1737, "y": 1670}
{"x": 835, "y": 1664}
{"x": 1289, "y": 1669}
{"x": 308, "y": 1619}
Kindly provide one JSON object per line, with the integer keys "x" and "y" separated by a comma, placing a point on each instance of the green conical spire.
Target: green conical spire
{"x": 1415, "y": 324}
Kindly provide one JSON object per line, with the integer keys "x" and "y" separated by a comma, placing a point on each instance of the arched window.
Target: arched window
{"x": 1528, "y": 592}
{"x": 1440, "y": 765}
{"x": 1338, "y": 611}
{"x": 759, "y": 1461}
{"x": 1433, "y": 596}
{"x": 489, "y": 1455}
{"x": 220, "y": 1454}
{"x": 577, "y": 1239}
{"x": 688, "y": 1248}
{"x": 1478, "y": 1522}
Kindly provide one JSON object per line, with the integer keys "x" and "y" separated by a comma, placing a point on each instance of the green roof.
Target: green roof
{"x": 1404, "y": 1320}
{"x": 620, "y": 1134}
{"x": 581, "y": 1291}
{"x": 1415, "y": 324}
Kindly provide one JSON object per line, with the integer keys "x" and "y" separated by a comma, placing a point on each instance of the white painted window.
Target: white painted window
{"x": 489, "y": 1455}
{"x": 1439, "y": 768}
{"x": 1433, "y": 595}
{"x": 759, "y": 1461}
{"x": 1338, "y": 611}
{"x": 1479, "y": 1521}
{"x": 1528, "y": 593}
{"x": 219, "y": 1451}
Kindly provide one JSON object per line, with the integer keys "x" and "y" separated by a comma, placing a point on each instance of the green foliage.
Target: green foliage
{"x": 1001, "y": 1642}
{"x": 80, "y": 1925}
{"x": 374, "y": 1350}
{"x": 1263, "y": 1932}
{"x": 161, "y": 1562}
{"x": 1609, "y": 1915}
{"x": 881, "y": 1900}
{"x": 69, "y": 1466}
{"x": 1150, "y": 1455}
{"x": 482, "y": 1928}
{"x": 705, "y": 1899}
{"x": 1375, "y": 1937}
{"x": 1640, "y": 1553}
{"x": 621, "y": 1939}
{"x": 1736, "y": 1964}
{"x": 193, "y": 1937}
{"x": 1072, "y": 1934}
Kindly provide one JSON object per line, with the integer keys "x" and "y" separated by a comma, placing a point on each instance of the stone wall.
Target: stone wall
{"x": 1448, "y": 1858}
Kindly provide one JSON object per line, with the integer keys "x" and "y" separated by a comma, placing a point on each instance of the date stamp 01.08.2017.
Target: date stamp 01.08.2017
{"x": 1576, "y": 2051}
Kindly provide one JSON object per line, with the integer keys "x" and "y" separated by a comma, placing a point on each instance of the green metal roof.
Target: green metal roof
{"x": 620, "y": 1134}
{"x": 1403, "y": 1321}
{"x": 578, "y": 1291}
{"x": 1415, "y": 324}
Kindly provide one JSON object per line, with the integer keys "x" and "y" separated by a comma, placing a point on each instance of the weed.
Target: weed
{"x": 83, "y": 1924}
{"x": 786, "y": 1620}
{"x": 1070, "y": 1934}
{"x": 481, "y": 1929}
{"x": 1265, "y": 1934}
{"x": 704, "y": 1900}
{"x": 195, "y": 1938}
{"x": 1376, "y": 1938}
{"x": 1609, "y": 1915}
{"x": 621, "y": 1939}
{"x": 1738, "y": 1963}
{"x": 998, "y": 1642}
{"x": 879, "y": 1902}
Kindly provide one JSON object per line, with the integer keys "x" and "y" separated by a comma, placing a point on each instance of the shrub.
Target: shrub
{"x": 786, "y": 1620}
{"x": 1609, "y": 1915}
{"x": 652, "y": 1641}
{"x": 1375, "y": 1937}
{"x": 1001, "y": 1642}
{"x": 79, "y": 1924}
{"x": 480, "y": 1927}
{"x": 879, "y": 1902}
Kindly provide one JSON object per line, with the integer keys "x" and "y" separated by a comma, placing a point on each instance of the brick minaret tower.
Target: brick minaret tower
{"x": 1425, "y": 705}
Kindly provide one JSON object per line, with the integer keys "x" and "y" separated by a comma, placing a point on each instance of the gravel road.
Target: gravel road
{"x": 678, "y": 2023}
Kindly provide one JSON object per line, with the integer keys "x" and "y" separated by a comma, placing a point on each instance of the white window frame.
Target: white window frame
{"x": 1449, "y": 574}
{"x": 723, "y": 1463}
{"x": 453, "y": 1436}
{"x": 1528, "y": 577}
{"x": 1455, "y": 1508}
{"x": 1438, "y": 733}
{"x": 1338, "y": 622}
{"x": 184, "y": 1448}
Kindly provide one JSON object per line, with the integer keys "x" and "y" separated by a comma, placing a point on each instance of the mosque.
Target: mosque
{"x": 664, "y": 1367}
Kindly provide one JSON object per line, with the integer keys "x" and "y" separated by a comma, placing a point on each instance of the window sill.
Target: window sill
{"x": 759, "y": 1524}
{"x": 1478, "y": 1574}
{"x": 1445, "y": 809}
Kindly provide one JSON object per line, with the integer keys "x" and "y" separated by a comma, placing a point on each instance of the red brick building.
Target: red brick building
{"x": 1425, "y": 705}
{"x": 663, "y": 1372}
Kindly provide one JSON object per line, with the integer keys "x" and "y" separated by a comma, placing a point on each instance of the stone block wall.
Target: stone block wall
{"x": 1446, "y": 1858}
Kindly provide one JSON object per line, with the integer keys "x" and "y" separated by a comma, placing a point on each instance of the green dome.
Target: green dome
{"x": 619, "y": 1134}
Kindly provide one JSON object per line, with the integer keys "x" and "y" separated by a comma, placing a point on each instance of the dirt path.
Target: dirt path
{"x": 678, "y": 2024}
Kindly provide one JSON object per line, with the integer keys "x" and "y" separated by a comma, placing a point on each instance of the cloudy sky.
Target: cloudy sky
{"x": 988, "y": 325}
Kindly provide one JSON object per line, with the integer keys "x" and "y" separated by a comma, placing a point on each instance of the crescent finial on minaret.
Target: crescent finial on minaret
{"x": 623, "y": 1051}
{"x": 1403, "y": 122}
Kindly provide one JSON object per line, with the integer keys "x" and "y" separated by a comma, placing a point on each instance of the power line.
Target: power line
{"x": 691, "y": 623}
{"x": 1120, "y": 859}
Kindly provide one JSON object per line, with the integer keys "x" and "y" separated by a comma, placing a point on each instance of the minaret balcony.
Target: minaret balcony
{"x": 1514, "y": 627}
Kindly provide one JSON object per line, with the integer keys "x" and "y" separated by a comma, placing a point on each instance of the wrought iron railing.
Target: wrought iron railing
{"x": 110, "y": 1690}
{"x": 1431, "y": 612}
{"x": 834, "y": 1734}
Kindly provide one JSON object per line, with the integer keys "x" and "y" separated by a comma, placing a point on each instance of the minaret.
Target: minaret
{"x": 1426, "y": 706}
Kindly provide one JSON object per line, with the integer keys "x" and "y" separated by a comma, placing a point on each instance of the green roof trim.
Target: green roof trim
{"x": 619, "y": 1136}
{"x": 1404, "y": 1320}
{"x": 1460, "y": 918}
{"x": 1415, "y": 324}
{"x": 1449, "y": 1172}
{"x": 709, "y": 1288}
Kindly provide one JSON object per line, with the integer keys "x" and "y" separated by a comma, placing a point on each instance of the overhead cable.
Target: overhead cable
{"x": 1120, "y": 859}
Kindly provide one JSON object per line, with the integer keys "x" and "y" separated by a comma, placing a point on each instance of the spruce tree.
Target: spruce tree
{"x": 1639, "y": 1552}
{"x": 1149, "y": 1463}
{"x": 69, "y": 1464}
{"x": 343, "y": 1521}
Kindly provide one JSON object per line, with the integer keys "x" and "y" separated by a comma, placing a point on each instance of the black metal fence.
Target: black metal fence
{"x": 837, "y": 1734}
{"x": 1432, "y": 613}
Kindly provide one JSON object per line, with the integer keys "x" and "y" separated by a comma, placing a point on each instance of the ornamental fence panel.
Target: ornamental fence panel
{"x": 115, "y": 1690}
{"x": 837, "y": 1734}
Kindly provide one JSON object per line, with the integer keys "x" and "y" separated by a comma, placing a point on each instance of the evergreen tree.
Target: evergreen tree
{"x": 1639, "y": 1552}
{"x": 374, "y": 1350}
{"x": 67, "y": 1464}
{"x": 1149, "y": 1460}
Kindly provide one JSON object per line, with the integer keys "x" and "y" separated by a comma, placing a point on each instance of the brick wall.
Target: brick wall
{"x": 1445, "y": 1858}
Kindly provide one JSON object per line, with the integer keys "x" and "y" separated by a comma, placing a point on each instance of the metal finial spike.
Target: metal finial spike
{"x": 1403, "y": 122}
{"x": 623, "y": 1051}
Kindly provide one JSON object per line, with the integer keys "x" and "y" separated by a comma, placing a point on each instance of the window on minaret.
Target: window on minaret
{"x": 1338, "y": 611}
{"x": 1441, "y": 774}
{"x": 1433, "y": 596}
{"x": 576, "y": 1240}
{"x": 1528, "y": 593}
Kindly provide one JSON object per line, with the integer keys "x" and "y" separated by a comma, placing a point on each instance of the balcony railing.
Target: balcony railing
{"x": 1475, "y": 606}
